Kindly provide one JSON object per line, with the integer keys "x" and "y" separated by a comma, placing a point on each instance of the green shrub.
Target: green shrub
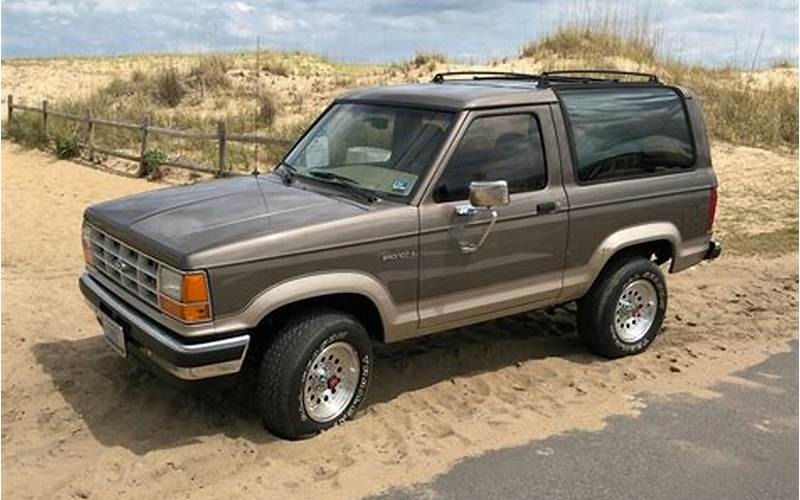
{"x": 153, "y": 158}
{"x": 168, "y": 88}
{"x": 26, "y": 130}
{"x": 267, "y": 109}
{"x": 275, "y": 67}
{"x": 67, "y": 146}
{"x": 430, "y": 58}
{"x": 594, "y": 44}
{"x": 138, "y": 76}
{"x": 210, "y": 73}
{"x": 119, "y": 88}
{"x": 783, "y": 63}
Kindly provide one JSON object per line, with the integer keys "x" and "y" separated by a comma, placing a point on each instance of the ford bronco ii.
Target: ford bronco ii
{"x": 408, "y": 210}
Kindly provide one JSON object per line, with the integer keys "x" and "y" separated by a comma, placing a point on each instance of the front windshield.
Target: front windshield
{"x": 383, "y": 149}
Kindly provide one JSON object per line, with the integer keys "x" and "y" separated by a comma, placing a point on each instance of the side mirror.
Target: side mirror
{"x": 488, "y": 194}
{"x": 483, "y": 196}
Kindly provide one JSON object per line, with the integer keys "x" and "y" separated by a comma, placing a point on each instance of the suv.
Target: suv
{"x": 408, "y": 210}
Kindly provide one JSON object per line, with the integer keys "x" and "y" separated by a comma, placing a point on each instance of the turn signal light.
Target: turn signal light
{"x": 185, "y": 297}
{"x": 86, "y": 241}
{"x": 188, "y": 313}
{"x": 194, "y": 288}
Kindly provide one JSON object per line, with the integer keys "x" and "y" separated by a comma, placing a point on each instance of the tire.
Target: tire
{"x": 628, "y": 285}
{"x": 287, "y": 371}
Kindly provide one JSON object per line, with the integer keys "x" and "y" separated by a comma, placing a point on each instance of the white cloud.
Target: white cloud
{"x": 713, "y": 31}
{"x": 40, "y": 7}
{"x": 241, "y": 7}
{"x": 407, "y": 23}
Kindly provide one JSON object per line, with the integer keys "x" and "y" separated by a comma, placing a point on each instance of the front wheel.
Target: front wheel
{"x": 624, "y": 309}
{"x": 314, "y": 374}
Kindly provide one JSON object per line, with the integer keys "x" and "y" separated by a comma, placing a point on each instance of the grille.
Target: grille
{"x": 129, "y": 268}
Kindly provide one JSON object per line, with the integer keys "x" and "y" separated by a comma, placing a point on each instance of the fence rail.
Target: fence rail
{"x": 220, "y": 136}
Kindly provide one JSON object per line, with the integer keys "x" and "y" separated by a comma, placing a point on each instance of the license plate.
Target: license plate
{"x": 114, "y": 334}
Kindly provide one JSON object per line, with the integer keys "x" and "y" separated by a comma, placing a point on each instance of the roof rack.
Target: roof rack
{"x": 484, "y": 75}
{"x": 549, "y": 78}
{"x": 581, "y": 76}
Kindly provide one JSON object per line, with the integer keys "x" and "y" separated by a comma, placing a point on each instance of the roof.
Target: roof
{"x": 455, "y": 95}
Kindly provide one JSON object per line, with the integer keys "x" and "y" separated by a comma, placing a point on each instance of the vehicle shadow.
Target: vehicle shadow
{"x": 124, "y": 405}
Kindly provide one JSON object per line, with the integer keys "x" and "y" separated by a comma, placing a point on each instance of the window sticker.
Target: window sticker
{"x": 400, "y": 186}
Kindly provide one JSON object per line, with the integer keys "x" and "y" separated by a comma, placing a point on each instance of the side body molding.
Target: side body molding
{"x": 578, "y": 279}
{"x": 397, "y": 322}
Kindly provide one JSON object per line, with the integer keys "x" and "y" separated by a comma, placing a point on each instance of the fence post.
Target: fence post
{"x": 142, "y": 167}
{"x": 222, "y": 162}
{"x": 90, "y": 136}
{"x": 44, "y": 118}
{"x": 10, "y": 110}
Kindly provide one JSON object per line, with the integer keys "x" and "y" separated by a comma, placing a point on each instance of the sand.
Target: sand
{"x": 80, "y": 422}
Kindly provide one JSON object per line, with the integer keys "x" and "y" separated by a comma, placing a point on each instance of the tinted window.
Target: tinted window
{"x": 507, "y": 147}
{"x": 622, "y": 133}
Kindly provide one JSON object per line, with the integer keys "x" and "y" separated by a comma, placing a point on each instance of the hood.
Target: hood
{"x": 172, "y": 224}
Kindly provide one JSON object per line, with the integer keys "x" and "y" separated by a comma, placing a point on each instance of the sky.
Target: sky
{"x": 706, "y": 31}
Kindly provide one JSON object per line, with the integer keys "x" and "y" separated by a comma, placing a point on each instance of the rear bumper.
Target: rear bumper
{"x": 714, "y": 250}
{"x": 166, "y": 349}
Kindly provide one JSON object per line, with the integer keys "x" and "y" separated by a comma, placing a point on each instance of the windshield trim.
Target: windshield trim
{"x": 412, "y": 198}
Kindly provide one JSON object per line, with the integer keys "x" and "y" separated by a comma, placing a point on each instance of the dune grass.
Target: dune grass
{"x": 278, "y": 94}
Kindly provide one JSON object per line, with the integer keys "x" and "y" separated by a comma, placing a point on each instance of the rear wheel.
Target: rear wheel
{"x": 624, "y": 309}
{"x": 314, "y": 374}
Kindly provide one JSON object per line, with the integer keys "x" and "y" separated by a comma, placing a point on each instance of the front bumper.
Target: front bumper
{"x": 164, "y": 348}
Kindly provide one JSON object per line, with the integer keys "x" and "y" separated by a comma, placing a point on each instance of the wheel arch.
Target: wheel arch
{"x": 659, "y": 240}
{"x": 355, "y": 293}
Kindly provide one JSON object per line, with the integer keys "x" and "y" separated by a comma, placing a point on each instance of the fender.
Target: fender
{"x": 578, "y": 280}
{"x": 395, "y": 320}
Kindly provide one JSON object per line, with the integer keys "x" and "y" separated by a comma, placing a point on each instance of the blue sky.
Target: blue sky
{"x": 710, "y": 31}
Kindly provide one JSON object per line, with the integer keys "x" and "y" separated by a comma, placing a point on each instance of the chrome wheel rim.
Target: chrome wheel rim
{"x": 330, "y": 382}
{"x": 635, "y": 311}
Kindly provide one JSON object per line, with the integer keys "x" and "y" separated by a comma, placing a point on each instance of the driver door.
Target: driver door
{"x": 521, "y": 261}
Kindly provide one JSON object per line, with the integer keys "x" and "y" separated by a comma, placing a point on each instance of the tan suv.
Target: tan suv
{"x": 408, "y": 210}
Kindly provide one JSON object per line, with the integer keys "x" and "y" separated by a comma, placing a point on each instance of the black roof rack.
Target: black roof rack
{"x": 549, "y": 78}
{"x": 582, "y": 76}
{"x": 484, "y": 75}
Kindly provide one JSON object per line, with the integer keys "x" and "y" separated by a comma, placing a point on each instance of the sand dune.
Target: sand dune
{"x": 79, "y": 422}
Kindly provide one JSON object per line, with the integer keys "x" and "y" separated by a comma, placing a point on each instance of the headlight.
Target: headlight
{"x": 184, "y": 296}
{"x": 86, "y": 241}
{"x": 170, "y": 283}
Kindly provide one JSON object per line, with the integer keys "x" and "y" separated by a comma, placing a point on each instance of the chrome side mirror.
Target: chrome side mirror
{"x": 488, "y": 194}
{"x": 483, "y": 196}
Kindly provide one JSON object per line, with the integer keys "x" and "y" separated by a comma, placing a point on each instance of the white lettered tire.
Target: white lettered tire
{"x": 314, "y": 374}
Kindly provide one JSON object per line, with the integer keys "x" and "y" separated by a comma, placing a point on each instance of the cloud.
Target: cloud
{"x": 240, "y": 7}
{"x": 714, "y": 31}
{"x": 39, "y": 7}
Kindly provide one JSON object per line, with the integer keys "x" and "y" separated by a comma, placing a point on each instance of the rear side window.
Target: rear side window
{"x": 626, "y": 133}
{"x": 494, "y": 148}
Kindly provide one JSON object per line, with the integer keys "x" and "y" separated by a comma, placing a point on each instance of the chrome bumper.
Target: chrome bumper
{"x": 151, "y": 341}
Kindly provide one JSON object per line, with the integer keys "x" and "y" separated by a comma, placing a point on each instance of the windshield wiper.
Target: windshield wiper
{"x": 324, "y": 174}
{"x": 348, "y": 183}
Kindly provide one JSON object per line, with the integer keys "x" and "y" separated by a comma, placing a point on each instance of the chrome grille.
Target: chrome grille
{"x": 132, "y": 270}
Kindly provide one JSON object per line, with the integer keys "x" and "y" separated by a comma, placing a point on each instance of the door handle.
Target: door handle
{"x": 547, "y": 207}
{"x": 469, "y": 211}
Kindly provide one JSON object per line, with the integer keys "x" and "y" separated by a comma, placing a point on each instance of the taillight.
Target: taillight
{"x": 712, "y": 208}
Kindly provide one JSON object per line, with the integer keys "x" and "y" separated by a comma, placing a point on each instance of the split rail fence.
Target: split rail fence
{"x": 146, "y": 129}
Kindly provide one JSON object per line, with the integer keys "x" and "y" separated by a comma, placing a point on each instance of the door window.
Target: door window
{"x": 503, "y": 147}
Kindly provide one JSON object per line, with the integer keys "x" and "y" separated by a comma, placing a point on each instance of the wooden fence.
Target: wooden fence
{"x": 145, "y": 129}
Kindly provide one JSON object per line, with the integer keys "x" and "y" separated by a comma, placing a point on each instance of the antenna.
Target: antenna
{"x": 256, "y": 111}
